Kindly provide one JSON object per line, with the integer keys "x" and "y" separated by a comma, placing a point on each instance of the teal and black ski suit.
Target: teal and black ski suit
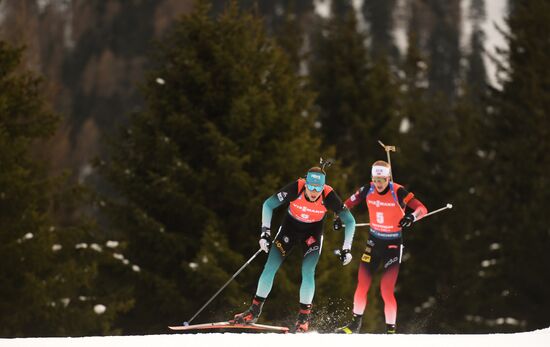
{"x": 303, "y": 226}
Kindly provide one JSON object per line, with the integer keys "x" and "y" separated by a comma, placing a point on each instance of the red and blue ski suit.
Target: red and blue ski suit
{"x": 385, "y": 243}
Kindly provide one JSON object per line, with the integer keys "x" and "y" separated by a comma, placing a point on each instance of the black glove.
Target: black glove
{"x": 337, "y": 225}
{"x": 407, "y": 220}
{"x": 265, "y": 239}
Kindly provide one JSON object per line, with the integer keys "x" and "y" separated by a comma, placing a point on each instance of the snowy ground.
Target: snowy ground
{"x": 539, "y": 338}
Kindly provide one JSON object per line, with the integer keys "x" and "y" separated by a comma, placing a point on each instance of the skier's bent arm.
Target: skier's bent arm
{"x": 356, "y": 198}
{"x": 347, "y": 218}
{"x": 269, "y": 205}
{"x": 408, "y": 198}
{"x": 419, "y": 209}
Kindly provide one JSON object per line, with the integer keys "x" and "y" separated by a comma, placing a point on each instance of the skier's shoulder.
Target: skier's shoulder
{"x": 402, "y": 193}
{"x": 328, "y": 189}
{"x": 300, "y": 183}
{"x": 289, "y": 192}
{"x": 399, "y": 189}
{"x": 366, "y": 189}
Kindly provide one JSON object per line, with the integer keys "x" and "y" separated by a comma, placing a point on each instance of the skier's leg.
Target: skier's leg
{"x": 265, "y": 283}
{"x": 387, "y": 288}
{"x": 313, "y": 245}
{"x": 307, "y": 288}
{"x": 364, "y": 279}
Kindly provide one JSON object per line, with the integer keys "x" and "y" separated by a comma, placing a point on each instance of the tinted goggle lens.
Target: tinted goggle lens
{"x": 379, "y": 179}
{"x": 316, "y": 188}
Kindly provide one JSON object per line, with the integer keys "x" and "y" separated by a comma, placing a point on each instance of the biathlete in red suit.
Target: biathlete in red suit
{"x": 391, "y": 208}
{"x": 308, "y": 201}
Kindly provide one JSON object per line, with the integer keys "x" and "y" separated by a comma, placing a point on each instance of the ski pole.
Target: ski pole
{"x": 448, "y": 206}
{"x": 225, "y": 285}
{"x": 388, "y": 149}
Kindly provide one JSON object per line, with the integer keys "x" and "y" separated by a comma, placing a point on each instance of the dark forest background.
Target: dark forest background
{"x": 138, "y": 140}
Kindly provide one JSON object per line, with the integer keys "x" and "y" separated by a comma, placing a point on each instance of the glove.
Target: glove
{"x": 407, "y": 220}
{"x": 345, "y": 256}
{"x": 265, "y": 239}
{"x": 337, "y": 225}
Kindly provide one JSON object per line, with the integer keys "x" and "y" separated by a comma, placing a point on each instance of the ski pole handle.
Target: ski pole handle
{"x": 448, "y": 206}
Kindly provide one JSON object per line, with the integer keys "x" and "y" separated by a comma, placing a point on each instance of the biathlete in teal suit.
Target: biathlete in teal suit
{"x": 308, "y": 201}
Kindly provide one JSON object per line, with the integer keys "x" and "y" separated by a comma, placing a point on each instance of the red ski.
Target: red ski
{"x": 220, "y": 327}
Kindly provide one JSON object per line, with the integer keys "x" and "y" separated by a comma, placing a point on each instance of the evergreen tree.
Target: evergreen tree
{"x": 48, "y": 285}
{"x": 437, "y": 161}
{"x": 356, "y": 95}
{"x": 289, "y": 21}
{"x": 356, "y": 100}
{"x": 379, "y": 15}
{"x": 292, "y": 37}
{"x": 274, "y": 13}
{"x": 476, "y": 72}
{"x": 517, "y": 148}
{"x": 227, "y": 123}
{"x": 471, "y": 242}
{"x": 421, "y": 162}
{"x": 444, "y": 48}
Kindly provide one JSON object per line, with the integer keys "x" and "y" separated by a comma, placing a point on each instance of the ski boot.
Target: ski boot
{"x": 353, "y": 327}
{"x": 390, "y": 328}
{"x": 252, "y": 314}
{"x": 302, "y": 323}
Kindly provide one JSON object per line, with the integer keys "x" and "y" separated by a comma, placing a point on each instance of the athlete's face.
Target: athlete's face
{"x": 312, "y": 194}
{"x": 380, "y": 182}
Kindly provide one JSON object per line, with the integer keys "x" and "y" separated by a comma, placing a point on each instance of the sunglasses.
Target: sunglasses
{"x": 379, "y": 179}
{"x": 316, "y": 188}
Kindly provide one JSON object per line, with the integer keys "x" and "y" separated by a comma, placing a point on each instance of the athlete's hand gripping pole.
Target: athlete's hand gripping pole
{"x": 265, "y": 239}
{"x": 344, "y": 255}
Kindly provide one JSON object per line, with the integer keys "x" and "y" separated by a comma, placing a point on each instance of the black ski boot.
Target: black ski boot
{"x": 252, "y": 314}
{"x": 353, "y": 327}
{"x": 390, "y": 328}
{"x": 302, "y": 323}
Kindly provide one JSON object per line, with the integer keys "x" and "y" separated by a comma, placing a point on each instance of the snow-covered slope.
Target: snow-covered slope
{"x": 539, "y": 338}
